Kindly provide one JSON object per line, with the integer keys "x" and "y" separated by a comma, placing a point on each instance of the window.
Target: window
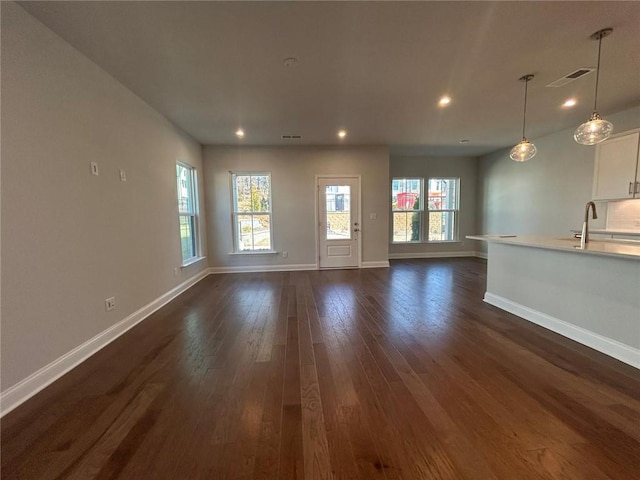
{"x": 188, "y": 211}
{"x": 408, "y": 210}
{"x": 338, "y": 210}
{"x": 252, "y": 211}
{"x": 442, "y": 201}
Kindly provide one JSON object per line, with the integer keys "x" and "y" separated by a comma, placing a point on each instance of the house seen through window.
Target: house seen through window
{"x": 252, "y": 211}
{"x": 424, "y": 211}
{"x": 406, "y": 206}
{"x": 338, "y": 208}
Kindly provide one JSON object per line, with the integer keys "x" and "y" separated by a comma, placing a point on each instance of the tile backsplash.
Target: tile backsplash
{"x": 624, "y": 215}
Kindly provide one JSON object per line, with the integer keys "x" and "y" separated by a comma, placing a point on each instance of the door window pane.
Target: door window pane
{"x": 338, "y": 212}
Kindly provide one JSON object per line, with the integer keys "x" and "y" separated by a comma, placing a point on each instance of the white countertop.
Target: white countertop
{"x": 612, "y": 248}
{"x": 597, "y": 231}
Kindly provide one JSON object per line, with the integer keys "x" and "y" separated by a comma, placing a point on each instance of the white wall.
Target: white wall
{"x": 592, "y": 299}
{"x": 463, "y": 167}
{"x": 293, "y": 171}
{"x": 546, "y": 195}
{"x": 70, "y": 239}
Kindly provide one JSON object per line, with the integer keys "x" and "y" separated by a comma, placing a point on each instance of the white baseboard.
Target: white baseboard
{"x": 377, "y": 264}
{"x": 27, "y": 388}
{"x": 431, "y": 255}
{"x": 608, "y": 346}
{"x": 481, "y": 255}
{"x": 285, "y": 268}
{"x": 264, "y": 268}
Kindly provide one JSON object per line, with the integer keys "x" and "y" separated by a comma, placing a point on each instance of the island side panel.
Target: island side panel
{"x": 592, "y": 299}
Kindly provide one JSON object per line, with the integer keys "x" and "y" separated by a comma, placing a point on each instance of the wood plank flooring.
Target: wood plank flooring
{"x": 399, "y": 373}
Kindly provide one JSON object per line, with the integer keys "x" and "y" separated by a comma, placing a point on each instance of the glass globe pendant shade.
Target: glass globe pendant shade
{"x": 523, "y": 151}
{"x": 594, "y": 131}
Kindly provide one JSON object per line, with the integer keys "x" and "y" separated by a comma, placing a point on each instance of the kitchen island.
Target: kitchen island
{"x": 590, "y": 295}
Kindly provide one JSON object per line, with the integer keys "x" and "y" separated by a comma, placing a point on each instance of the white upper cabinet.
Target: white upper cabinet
{"x": 615, "y": 173}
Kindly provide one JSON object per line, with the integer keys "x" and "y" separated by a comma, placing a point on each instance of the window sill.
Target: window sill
{"x": 192, "y": 261}
{"x": 434, "y": 242}
{"x": 255, "y": 252}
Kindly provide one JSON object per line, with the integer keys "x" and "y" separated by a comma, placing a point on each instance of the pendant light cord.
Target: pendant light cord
{"x": 595, "y": 99}
{"x": 524, "y": 113}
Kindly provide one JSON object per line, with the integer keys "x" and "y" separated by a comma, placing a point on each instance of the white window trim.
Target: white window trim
{"x": 192, "y": 261}
{"x": 195, "y": 214}
{"x": 424, "y": 212}
{"x": 456, "y": 225}
{"x": 254, "y": 252}
{"x": 234, "y": 214}
{"x": 420, "y": 213}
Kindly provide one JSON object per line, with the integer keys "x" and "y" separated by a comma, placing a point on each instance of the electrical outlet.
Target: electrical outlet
{"x": 123, "y": 176}
{"x": 94, "y": 169}
{"x": 176, "y": 271}
{"x": 285, "y": 254}
{"x": 110, "y": 303}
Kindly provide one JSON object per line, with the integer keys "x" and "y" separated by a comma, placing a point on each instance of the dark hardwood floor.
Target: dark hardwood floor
{"x": 400, "y": 373}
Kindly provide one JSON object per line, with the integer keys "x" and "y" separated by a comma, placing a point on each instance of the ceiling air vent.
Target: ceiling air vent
{"x": 581, "y": 72}
{"x": 291, "y": 137}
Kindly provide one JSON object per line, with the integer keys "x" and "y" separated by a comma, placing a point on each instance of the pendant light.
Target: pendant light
{"x": 525, "y": 150}
{"x": 596, "y": 129}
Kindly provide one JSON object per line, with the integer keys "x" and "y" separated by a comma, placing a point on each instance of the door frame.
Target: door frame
{"x": 358, "y": 179}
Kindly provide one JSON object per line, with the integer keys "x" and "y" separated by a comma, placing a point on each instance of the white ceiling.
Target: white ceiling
{"x": 376, "y": 69}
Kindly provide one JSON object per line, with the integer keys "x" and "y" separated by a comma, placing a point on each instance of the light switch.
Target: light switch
{"x": 123, "y": 176}
{"x": 94, "y": 168}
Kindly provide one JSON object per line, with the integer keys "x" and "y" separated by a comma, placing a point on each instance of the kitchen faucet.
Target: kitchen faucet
{"x": 584, "y": 238}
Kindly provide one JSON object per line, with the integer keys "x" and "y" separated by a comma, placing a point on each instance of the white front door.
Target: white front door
{"x": 339, "y": 222}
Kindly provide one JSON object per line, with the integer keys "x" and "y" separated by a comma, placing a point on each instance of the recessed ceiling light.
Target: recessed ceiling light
{"x": 288, "y": 62}
{"x": 240, "y": 133}
{"x": 464, "y": 140}
{"x": 444, "y": 101}
{"x": 571, "y": 102}
{"x": 342, "y": 133}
